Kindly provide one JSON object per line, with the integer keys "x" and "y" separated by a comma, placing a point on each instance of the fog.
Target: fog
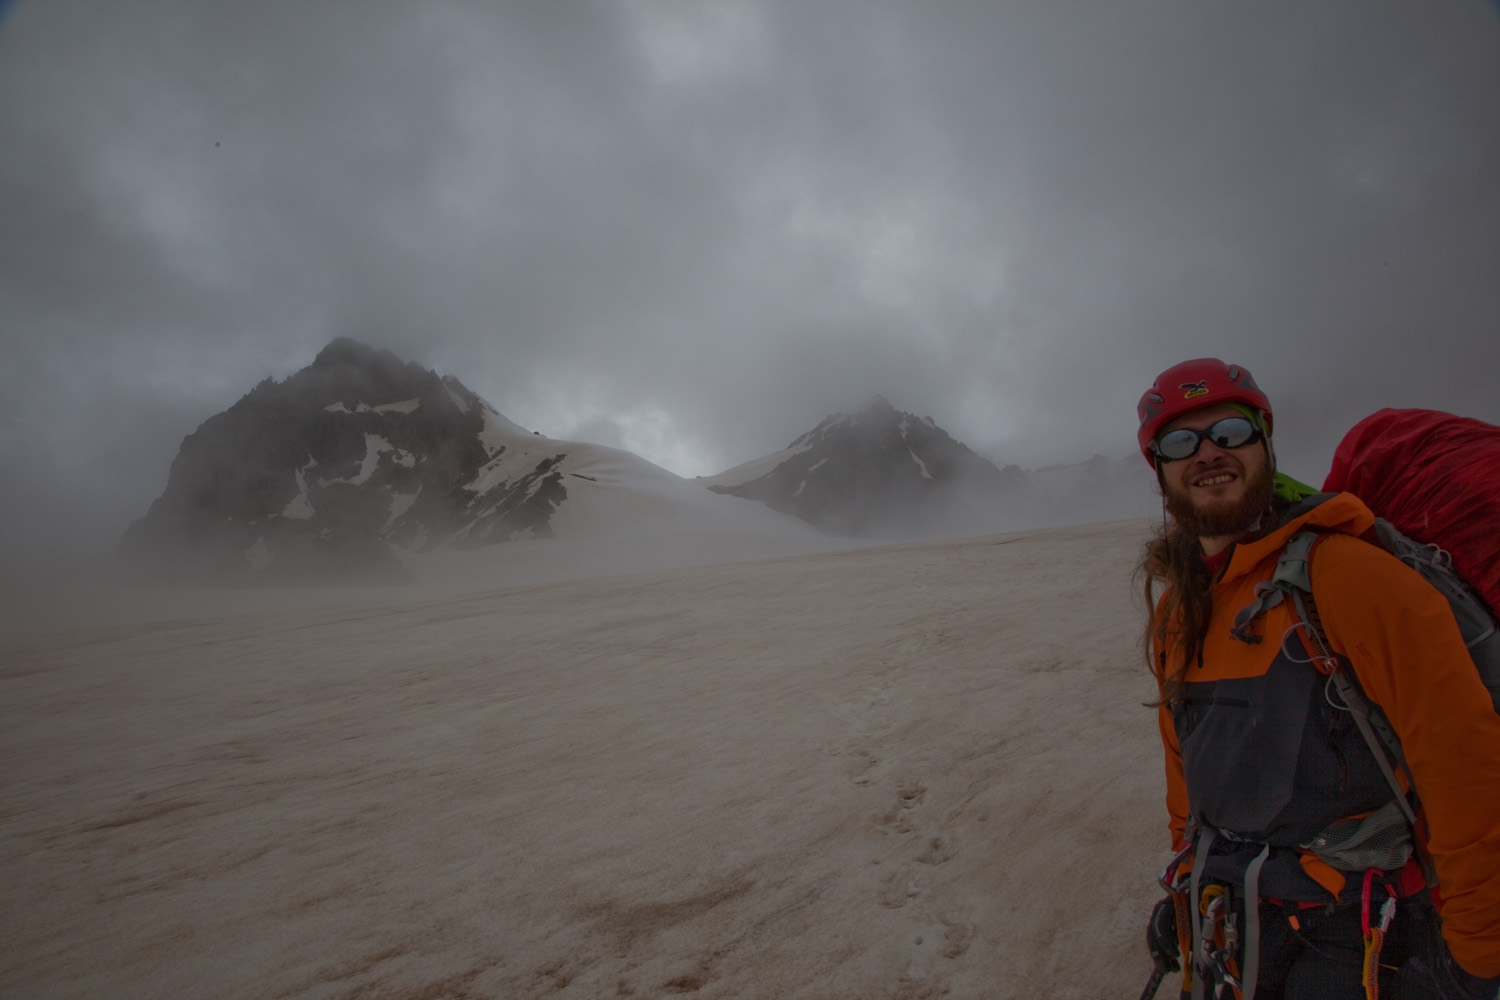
{"x": 693, "y": 231}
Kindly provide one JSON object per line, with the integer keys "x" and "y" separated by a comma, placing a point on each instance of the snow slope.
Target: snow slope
{"x": 904, "y": 771}
{"x": 610, "y": 494}
{"x": 622, "y": 514}
{"x": 614, "y": 493}
{"x": 757, "y": 468}
{"x": 345, "y": 467}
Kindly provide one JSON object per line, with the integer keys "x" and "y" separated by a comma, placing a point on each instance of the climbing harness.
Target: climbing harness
{"x": 1209, "y": 926}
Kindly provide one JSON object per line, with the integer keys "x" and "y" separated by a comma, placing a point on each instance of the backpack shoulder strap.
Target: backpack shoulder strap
{"x": 1384, "y": 745}
{"x": 1292, "y": 568}
{"x": 1291, "y": 577}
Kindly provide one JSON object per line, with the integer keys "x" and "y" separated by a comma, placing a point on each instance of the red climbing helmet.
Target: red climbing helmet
{"x": 1190, "y": 386}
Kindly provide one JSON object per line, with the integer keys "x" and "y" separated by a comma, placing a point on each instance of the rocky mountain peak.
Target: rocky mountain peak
{"x": 873, "y": 472}
{"x": 321, "y": 474}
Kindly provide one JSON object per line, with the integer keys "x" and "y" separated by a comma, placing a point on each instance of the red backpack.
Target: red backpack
{"x": 1436, "y": 477}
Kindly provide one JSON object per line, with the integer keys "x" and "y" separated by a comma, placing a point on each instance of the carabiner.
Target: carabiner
{"x": 1172, "y": 878}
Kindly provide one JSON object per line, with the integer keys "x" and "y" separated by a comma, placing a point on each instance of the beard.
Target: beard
{"x": 1230, "y": 517}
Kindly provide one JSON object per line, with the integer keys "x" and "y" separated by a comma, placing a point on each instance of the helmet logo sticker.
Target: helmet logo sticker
{"x": 1194, "y": 389}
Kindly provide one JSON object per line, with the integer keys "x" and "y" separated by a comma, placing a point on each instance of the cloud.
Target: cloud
{"x": 695, "y": 230}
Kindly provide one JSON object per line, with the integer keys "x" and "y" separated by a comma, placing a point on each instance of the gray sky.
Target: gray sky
{"x": 693, "y": 229}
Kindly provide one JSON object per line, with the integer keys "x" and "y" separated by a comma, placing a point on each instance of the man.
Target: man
{"x": 1275, "y": 798}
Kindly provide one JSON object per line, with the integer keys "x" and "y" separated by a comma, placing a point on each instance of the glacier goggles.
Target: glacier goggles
{"x": 1231, "y": 432}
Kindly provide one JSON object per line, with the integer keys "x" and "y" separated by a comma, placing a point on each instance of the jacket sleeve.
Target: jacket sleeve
{"x": 1177, "y": 798}
{"x": 1400, "y": 636}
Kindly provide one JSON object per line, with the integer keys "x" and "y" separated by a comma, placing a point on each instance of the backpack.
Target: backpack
{"x": 1434, "y": 477}
{"x": 1433, "y": 481}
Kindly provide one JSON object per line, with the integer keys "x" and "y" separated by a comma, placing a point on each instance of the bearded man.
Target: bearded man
{"x": 1274, "y": 797}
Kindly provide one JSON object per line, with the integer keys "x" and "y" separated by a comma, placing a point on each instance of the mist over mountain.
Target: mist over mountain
{"x": 879, "y": 472}
{"x": 356, "y": 462}
{"x": 1094, "y": 490}
{"x": 359, "y": 464}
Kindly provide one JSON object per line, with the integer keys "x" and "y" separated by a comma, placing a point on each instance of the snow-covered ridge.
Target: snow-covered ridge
{"x": 613, "y": 493}
{"x": 361, "y": 459}
{"x": 361, "y": 456}
{"x": 756, "y": 467}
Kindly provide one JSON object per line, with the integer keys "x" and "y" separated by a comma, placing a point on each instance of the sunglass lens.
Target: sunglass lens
{"x": 1178, "y": 444}
{"x": 1231, "y": 432}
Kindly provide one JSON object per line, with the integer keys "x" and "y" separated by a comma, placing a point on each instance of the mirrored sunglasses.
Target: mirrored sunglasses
{"x": 1231, "y": 432}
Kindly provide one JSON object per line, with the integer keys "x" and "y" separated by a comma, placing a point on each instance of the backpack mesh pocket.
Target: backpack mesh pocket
{"x": 1380, "y": 840}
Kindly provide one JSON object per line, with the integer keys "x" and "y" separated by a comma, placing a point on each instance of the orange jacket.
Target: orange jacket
{"x": 1401, "y": 640}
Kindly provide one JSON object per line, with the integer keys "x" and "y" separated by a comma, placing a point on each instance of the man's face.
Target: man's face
{"x": 1217, "y": 491}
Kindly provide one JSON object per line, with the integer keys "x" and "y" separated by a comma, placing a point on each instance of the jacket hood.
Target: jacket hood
{"x": 1344, "y": 513}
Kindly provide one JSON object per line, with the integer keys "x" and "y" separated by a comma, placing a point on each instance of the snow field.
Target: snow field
{"x": 904, "y": 771}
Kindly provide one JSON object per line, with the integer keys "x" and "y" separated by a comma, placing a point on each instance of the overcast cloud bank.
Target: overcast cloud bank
{"x": 693, "y": 231}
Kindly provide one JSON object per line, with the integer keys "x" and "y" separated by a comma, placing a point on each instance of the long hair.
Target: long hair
{"x": 1179, "y": 603}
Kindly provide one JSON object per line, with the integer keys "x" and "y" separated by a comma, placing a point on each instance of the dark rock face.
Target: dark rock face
{"x": 878, "y": 473}
{"x": 316, "y": 478}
